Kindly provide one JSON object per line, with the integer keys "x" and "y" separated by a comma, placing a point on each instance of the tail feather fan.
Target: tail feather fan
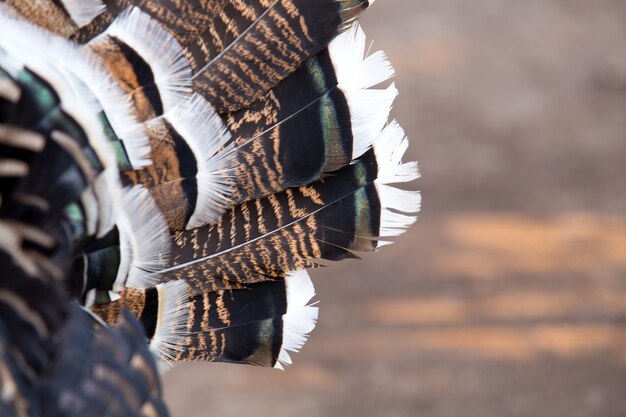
{"x": 168, "y": 172}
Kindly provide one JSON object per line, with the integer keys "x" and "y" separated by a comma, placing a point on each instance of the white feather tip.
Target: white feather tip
{"x": 171, "y": 323}
{"x": 159, "y": 49}
{"x": 356, "y": 73}
{"x": 207, "y": 136}
{"x": 144, "y": 239}
{"x": 300, "y": 318}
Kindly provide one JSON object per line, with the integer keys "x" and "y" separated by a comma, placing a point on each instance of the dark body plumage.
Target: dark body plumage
{"x": 168, "y": 172}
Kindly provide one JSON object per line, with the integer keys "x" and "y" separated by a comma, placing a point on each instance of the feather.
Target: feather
{"x": 290, "y": 230}
{"x": 50, "y": 349}
{"x": 63, "y": 17}
{"x": 83, "y": 84}
{"x": 286, "y": 140}
{"x": 169, "y": 171}
{"x": 267, "y": 46}
{"x": 144, "y": 239}
{"x": 102, "y": 371}
{"x": 162, "y": 73}
{"x": 292, "y": 142}
{"x": 208, "y": 163}
{"x": 257, "y": 324}
{"x": 239, "y": 50}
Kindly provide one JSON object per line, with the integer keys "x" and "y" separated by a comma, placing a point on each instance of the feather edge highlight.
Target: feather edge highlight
{"x": 300, "y": 318}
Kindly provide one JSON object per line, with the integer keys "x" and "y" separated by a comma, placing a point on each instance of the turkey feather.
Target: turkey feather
{"x": 286, "y": 141}
{"x": 293, "y": 229}
{"x": 169, "y": 169}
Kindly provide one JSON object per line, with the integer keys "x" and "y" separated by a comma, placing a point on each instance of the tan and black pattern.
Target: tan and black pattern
{"x": 265, "y": 238}
{"x": 171, "y": 179}
{"x": 272, "y": 46}
{"x": 221, "y": 330}
{"x": 282, "y": 141}
{"x": 133, "y": 299}
{"x": 174, "y": 167}
{"x": 132, "y": 73}
{"x": 287, "y": 140}
{"x": 48, "y": 14}
{"x": 238, "y": 50}
{"x": 311, "y": 134}
{"x": 256, "y": 343}
{"x": 243, "y": 325}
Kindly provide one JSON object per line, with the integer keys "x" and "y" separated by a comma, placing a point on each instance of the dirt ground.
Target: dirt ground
{"x": 508, "y": 296}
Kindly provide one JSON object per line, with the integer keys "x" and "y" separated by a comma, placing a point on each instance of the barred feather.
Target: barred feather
{"x": 168, "y": 171}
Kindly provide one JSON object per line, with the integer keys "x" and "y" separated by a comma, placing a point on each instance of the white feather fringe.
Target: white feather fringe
{"x": 77, "y": 72}
{"x": 171, "y": 325}
{"x": 352, "y": 68}
{"x": 83, "y": 11}
{"x": 356, "y": 74}
{"x": 300, "y": 318}
{"x": 144, "y": 240}
{"x": 205, "y": 133}
{"x": 394, "y": 224}
{"x": 389, "y": 148}
{"x": 171, "y": 69}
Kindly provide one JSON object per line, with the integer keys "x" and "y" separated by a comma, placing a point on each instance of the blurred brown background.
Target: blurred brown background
{"x": 508, "y": 297}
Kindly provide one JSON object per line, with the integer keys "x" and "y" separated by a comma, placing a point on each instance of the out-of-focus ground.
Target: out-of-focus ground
{"x": 508, "y": 297}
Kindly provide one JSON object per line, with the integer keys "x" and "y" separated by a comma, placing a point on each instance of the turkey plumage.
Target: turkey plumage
{"x": 168, "y": 171}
